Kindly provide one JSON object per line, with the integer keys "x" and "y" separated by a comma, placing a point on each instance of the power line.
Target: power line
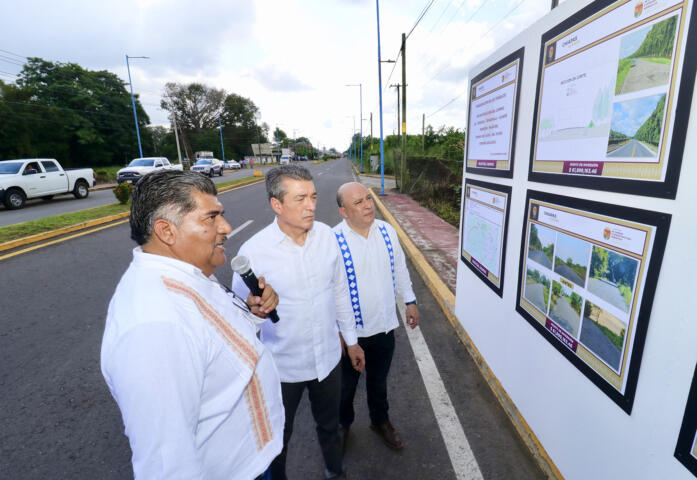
{"x": 4, "y": 58}
{"x": 481, "y": 38}
{"x": 8, "y": 73}
{"x": 423, "y": 13}
{"x": 12, "y": 53}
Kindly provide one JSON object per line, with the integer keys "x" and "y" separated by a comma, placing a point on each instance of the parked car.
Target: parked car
{"x": 142, "y": 166}
{"x": 208, "y": 166}
{"x": 41, "y": 178}
{"x": 232, "y": 165}
{"x": 285, "y": 159}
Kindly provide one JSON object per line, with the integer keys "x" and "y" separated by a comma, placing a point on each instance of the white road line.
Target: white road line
{"x": 461, "y": 456}
{"x": 237, "y": 230}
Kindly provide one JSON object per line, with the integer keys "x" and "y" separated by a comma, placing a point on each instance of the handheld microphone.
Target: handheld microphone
{"x": 240, "y": 265}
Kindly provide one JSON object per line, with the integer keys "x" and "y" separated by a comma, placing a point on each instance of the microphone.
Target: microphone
{"x": 240, "y": 265}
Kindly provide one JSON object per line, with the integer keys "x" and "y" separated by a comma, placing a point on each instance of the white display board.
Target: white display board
{"x": 613, "y": 98}
{"x": 485, "y": 231}
{"x": 584, "y": 430}
{"x": 493, "y": 111}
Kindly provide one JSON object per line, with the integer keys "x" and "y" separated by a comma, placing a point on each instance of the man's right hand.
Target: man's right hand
{"x": 357, "y": 356}
{"x": 262, "y": 306}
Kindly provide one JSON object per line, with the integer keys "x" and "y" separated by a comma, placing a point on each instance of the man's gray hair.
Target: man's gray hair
{"x": 274, "y": 184}
{"x": 166, "y": 194}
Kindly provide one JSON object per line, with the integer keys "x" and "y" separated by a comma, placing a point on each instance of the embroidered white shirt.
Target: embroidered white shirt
{"x": 313, "y": 300}
{"x": 199, "y": 394}
{"x": 371, "y": 262}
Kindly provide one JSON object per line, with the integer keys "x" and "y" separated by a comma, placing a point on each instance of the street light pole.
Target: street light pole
{"x": 133, "y": 102}
{"x": 382, "y": 146}
{"x": 360, "y": 86}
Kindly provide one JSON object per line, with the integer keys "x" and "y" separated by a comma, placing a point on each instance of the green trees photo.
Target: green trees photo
{"x": 650, "y": 130}
{"x": 659, "y": 40}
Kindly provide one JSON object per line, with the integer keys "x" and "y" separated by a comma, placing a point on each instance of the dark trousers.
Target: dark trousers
{"x": 324, "y": 403}
{"x": 378, "y": 351}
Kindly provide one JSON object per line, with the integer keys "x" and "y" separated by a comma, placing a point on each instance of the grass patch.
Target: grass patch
{"x": 236, "y": 181}
{"x": 444, "y": 210}
{"x": 33, "y": 227}
{"x": 626, "y": 293}
{"x": 622, "y": 70}
{"x": 662, "y": 60}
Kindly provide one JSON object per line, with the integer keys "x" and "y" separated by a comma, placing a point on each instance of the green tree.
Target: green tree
{"x": 659, "y": 41}
{"x": 650, "y": 130}
{"x": 80, "y": 117}
{"x": 599, "y": 262}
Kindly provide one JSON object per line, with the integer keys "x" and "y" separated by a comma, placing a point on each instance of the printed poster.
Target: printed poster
{"x": 492, "y": 117}
{"x": 614, "y": 96}
{"x": 588, "y": 272}
{"x": 484, "y": 231}
{"x": 686, "y": 449}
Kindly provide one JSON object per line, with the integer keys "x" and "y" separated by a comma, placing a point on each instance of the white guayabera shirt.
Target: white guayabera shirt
{"x": 313, "y": 300}
{"x": 373, "y": 270}
{"x": 199, "y": 394}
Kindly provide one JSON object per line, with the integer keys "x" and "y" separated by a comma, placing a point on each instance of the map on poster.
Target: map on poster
{"x": 607, "y": 102}
{"x": 686, "y": 448}
{"x": 485, "y": 216}
{"x": 492, "y": 114}
{"x": 583, "y": 278}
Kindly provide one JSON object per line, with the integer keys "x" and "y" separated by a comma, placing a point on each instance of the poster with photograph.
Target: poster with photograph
{"x": 613, "y": 100}
{"x": 492, "y": 116}
{"x": 588, "y": 272}
{"x": 686, "y": 449}
{"x": 484, "y": 231}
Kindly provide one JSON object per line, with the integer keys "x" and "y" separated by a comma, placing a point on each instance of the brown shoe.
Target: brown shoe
{"x": 389, "y": 435}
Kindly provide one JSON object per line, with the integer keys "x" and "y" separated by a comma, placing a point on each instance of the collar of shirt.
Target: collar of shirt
{"x": 278, "y": 236}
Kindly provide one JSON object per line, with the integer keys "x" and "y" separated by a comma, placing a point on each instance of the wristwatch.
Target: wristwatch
{"x": 413, "y": 302}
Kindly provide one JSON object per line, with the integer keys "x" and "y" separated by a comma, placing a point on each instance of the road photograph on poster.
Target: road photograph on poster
{"x": 686, "y": 448}
{"x": 484, "y": 231}
{"x": 492, "y": 117}
{"x": 613, "y": 97}
{"x": 585, "y": 281}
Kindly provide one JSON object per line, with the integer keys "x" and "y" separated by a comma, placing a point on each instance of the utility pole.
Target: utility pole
{"x": 423, "y": 134}
{"x": 555, "y": 3}
{"x": 371, "y": 137}
{"x": 176, "y": 138}
{"x": 404, "y": 107}
{"x": 220, "y": 124}
{"x": 399, "y": 124}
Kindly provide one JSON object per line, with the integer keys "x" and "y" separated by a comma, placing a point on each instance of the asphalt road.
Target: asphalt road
{"x": 566, "y": 272}
{"x": 565, "y": 316}
{"x": 634, "y": 148}
{"x": 645, "y": 74}
{"x": 534, "y": 292}
{"x": 37, "y": 208}
{"x": 609, "y": 292}
{"x": 59, "y": 420}
{"x": 594, "y": 339}
{"x": 540, "y": 258}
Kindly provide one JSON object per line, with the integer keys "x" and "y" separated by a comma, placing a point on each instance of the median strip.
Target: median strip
{"x": 13, "y": 236}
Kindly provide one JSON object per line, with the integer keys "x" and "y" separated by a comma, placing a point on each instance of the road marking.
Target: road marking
{"x": 459, "y": 451}
{"x": 633, "y": 149}
{"x": 237, "y": 230}
{"x": 52, "y": 242}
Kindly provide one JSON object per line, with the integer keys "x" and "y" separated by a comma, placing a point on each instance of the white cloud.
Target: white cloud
{"x": 292, "y": 58}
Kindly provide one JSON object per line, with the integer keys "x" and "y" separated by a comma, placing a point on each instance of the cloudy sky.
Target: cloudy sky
{"x": 293, "y": 58}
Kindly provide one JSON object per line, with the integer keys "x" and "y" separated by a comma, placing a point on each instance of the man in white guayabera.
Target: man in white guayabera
{"x": 199, "y": 394}
{"x": 299, "y": 258}
{"x": 377, "y": 272}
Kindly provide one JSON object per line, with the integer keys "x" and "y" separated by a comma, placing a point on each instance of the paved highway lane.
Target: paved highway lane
{"x": 37, "y": 208}
{"x": 59, "y": 420}
{"x": 634, "y": 148}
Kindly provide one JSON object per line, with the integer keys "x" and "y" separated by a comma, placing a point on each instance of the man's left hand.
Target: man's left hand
{"x": 412, "y": 316}
{"x": 355, "y": 353}
{"x": 261, "y": 306}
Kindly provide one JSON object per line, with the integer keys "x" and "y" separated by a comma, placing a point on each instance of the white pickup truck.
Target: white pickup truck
{"x": 41, "y": 178}
{"x": 140, "y": 166}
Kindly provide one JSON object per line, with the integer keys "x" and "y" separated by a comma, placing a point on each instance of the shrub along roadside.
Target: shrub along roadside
{"x": 34, "y": 227}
